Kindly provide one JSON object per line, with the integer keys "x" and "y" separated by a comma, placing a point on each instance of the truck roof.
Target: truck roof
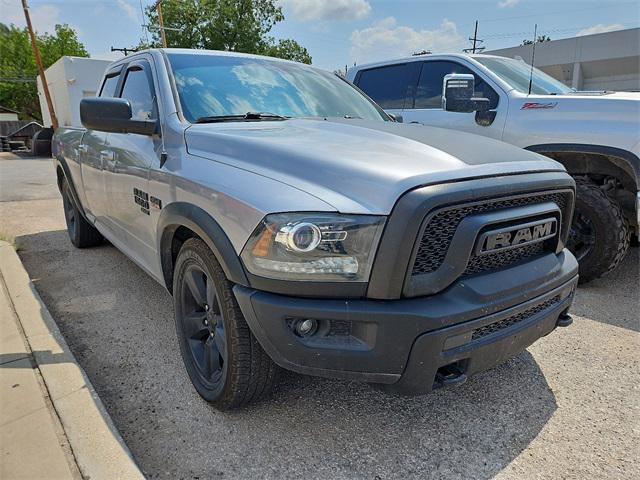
{"x": 198, "y": 51}
{"x": 419, "y": 58}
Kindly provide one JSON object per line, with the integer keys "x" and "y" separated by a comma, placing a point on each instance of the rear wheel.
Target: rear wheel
{"x": 599, "y": 236}
{"x": 81, "y": 233}
{"x": 225, "y": 362}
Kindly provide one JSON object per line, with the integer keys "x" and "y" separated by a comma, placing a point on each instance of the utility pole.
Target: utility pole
{"x": 161, "y": 22}
{"x": 125, "y": 50}
{"x": 533, "y": 55}
{"x": 475, "y": 40}
{"x": 36, "y": 54}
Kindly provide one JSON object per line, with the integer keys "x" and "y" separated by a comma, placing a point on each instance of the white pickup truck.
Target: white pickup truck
{"x": 595, "y": 135}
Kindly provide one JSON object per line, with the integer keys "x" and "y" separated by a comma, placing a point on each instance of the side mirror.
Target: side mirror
{"x": 457, "y": 94}
{"x": 396, "y": 117}
{"x": 113, "y": 115}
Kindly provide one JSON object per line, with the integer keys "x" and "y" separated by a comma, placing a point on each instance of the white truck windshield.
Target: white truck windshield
{"x": 218, "y": 85}
{"x": 517, "y": 73}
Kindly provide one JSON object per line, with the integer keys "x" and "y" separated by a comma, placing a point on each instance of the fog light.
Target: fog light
{"x": 306, "y": 327}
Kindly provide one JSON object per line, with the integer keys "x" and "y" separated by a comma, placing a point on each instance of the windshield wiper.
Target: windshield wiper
{"x": 249, "y": 116}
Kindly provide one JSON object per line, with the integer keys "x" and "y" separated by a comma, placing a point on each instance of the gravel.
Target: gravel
{"x": 568, "y": 407}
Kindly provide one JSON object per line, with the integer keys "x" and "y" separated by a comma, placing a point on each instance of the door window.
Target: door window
{"x": 429, "y": 91}
{"x": 387, "y": 86}
{"x": 137, "y": 89}
{"x": 109, "y": 86}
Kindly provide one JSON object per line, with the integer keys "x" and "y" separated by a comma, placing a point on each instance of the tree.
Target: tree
{"x": 234, "y": 25}
{"x": 540, "y": 39}
{"x": 18, "y": 69}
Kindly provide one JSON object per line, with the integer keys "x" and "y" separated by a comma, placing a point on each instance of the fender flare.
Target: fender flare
{"x": 628, "y": 162}
{"x": 180, "y": 214}
{"x": 66, "y": 175}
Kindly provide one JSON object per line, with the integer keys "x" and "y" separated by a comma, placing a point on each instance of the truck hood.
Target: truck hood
{"x": 593, "y": 118}
{"x": 358, "y": 166}
{"x": 604, "y": 106}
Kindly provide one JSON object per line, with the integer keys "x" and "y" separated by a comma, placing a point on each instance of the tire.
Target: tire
{"x": 81, "y": 233}
{"x": 599, "y": 235}
{"x": 224, "y": 361}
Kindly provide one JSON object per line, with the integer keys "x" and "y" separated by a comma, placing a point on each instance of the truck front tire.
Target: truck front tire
{"x": 81, "y": 233}
{"x": 599, "y": 235}
{"x": 224, "y": 361}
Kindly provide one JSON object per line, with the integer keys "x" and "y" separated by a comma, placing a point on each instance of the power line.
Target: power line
{"x": 546, "y": 31}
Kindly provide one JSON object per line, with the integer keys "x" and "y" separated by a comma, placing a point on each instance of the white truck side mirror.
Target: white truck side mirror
{"x": 457, "y": 94}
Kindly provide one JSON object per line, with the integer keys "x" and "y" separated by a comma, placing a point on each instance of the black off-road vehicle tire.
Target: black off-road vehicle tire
{"x": 225, "y": 362}
{"x": 81, "y": 233}
{"x": 600, "y": 234}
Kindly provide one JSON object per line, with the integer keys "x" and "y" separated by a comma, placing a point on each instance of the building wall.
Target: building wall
{"x": 604, "y": 61}
{"x": 8, "y": 117}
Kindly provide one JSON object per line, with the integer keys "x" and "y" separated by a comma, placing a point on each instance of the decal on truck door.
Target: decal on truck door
{"x": 538, "y": 105}
{"x": 142, "y": 199}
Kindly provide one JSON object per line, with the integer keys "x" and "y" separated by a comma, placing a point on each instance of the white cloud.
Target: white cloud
{"x": 43, "y": 17}
{"x": 128, "y": 9}
{"x": 386, "y": 39}
{"x": 508, "y": 3}
{"x": 600, "y": 28}
{"x": 326, "y": 10}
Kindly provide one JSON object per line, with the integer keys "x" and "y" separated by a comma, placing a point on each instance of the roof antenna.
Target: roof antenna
{"x": 533, "y": 55}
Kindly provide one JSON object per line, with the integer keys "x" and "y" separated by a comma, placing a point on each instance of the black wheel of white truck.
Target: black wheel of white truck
{"x": 599, "y": 236}
{"x": 81, "y": 233}
{"x": 225, "y": 362}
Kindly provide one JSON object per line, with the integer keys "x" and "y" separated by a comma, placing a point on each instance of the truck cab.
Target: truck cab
{"x": 595, "y": 135}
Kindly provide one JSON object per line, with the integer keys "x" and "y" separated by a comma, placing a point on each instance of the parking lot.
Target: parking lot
{"x": 568, "y": 407}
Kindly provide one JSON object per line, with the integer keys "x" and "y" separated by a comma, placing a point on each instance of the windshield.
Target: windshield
{"x": 516, "y": 73}
{"x": 218, "y": 85}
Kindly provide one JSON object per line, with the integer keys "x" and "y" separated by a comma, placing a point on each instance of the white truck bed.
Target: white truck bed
{"x": 70, "y": 79}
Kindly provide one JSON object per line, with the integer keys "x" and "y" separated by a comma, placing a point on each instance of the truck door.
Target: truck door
{"x": 130, "y": 156}
{"x": 389, "y": 86}
{"x": 94, "y": 157}
{"x": 426, "y": 105}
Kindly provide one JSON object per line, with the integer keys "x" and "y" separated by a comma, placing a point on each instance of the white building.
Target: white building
{"x": 603, "y": 61}
{"x": 8, "y": 115}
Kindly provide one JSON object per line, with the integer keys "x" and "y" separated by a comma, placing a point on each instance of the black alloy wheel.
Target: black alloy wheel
{"x": 582, "y": 236}
{"x": 225, "y": 362}
{"x": 203, "y": 327}
{"x": 69, "y": 215}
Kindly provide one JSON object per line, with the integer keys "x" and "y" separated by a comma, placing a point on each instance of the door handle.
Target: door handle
{"x": 81, "y": 149}
{"x": 107, "y": 155}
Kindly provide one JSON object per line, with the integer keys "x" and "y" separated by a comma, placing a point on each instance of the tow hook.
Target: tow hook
{"x": 564, "y": 320}
{"x": 449, "y": 375}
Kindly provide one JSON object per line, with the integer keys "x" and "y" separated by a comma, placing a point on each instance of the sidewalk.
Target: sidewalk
{"x": 32, "y": 441}
{"x": 52, "y": 423}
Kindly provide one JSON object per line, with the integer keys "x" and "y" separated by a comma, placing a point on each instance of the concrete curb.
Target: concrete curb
{"x": 97, "y": 446}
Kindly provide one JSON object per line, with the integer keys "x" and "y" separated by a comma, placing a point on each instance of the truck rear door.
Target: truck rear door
{"x": 95, "y": 160}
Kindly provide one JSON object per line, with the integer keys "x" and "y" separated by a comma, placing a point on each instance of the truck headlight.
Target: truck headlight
{"x": 325, "y": 247}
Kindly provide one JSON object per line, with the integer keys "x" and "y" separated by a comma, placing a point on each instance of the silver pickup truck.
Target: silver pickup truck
{"x": 296, "y": 224}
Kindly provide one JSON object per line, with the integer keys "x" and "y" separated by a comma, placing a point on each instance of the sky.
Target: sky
{"x": 344, "y": 32}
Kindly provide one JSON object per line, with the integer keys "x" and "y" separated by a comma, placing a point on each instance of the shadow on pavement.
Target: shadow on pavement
{"x": 119, "y": 324}
{"x": 45, "y": 357}
{"x": 596, "y": 301}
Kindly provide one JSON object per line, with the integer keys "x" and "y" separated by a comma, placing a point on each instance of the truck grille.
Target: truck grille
{"x": 512, "y": 320}
{"x": 440, "y": 229}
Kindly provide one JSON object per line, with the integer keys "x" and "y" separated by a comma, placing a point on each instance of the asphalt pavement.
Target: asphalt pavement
{"x": 568, "y": 407}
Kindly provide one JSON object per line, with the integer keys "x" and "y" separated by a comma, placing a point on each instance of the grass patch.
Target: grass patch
{"x": 10, "y": 239}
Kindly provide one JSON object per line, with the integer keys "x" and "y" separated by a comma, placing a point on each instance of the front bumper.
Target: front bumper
{"x": 417, "y": 344}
